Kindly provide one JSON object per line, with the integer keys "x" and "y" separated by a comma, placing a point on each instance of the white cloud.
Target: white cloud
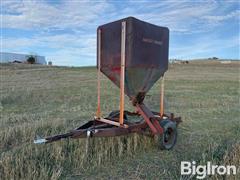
{"x": 179, "y": 16}
{"x": 217, "y": 19}
{"x": 38, "y": 14}
{"x": 201, "y": 46}
{"x": 62, "y": 49}
{"x": 79, "y": 20}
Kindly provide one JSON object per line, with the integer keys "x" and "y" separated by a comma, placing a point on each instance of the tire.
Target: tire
{"x": 168, "y": 139}
{"x": 116, "y": 114}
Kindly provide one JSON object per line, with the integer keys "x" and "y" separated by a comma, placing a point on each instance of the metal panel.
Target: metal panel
{"x": 146, "y": 54}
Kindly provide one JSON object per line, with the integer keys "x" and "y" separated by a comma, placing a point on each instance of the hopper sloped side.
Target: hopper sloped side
{"x": 137, "y": 80}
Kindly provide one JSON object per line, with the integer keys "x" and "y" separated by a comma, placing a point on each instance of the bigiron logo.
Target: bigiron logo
{"x": 202, "y": 171}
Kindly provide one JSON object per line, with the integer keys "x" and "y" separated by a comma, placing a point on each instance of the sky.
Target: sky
{"x": 65, "y": 31}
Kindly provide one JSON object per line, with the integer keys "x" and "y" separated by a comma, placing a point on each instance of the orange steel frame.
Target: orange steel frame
{"x": 98, "y": 114}
{"x": 122, "y": 80}
{"x": 162, "y": 98}
{"x": 141, "y": 108}
{"x": 122, "y": 77}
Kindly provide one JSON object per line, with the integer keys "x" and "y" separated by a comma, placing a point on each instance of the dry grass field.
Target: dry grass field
{"x": 40, "y": 100}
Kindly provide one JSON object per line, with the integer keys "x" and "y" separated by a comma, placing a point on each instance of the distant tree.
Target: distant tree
{"x": 31, "y": 60}
{"x": 50, "y": 63}
{"x": 215, "y": 58}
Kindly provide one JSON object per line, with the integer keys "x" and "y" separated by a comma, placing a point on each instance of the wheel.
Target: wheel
{"x": 168, "y": 139}
{"x": 116, "y": 114}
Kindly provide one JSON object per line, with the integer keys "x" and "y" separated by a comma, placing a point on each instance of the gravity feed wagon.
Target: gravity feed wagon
{"x": 133, "y": 54}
